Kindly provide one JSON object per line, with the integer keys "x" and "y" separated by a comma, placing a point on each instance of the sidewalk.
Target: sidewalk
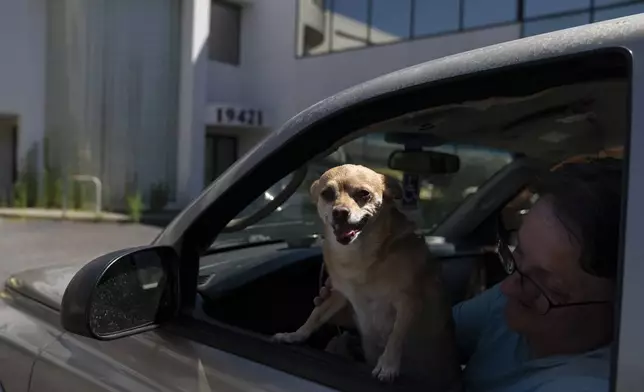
{"x": 56, "y": 214}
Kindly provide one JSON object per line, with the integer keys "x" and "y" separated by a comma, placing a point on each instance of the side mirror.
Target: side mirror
{"x": 424, "y": 162}
{"x": 122, "y": 293}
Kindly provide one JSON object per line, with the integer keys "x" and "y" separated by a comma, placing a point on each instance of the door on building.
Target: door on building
{"x": 221, "y": 152}
{"x": 8, "y": 166}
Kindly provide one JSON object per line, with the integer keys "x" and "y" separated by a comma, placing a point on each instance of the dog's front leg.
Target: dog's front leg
{"x": 320, "y": 315}
{"x": 388, "y": 365}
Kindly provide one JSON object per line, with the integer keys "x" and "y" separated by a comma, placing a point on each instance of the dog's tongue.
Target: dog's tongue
{"x": 345, "y": 236}
{"x": 348, "y": 233}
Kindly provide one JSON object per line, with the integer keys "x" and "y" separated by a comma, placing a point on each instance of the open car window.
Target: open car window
{"x": 438, "y": 194}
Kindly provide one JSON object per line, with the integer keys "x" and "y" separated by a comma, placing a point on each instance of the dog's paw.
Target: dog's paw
{"x": 291, "y": 337}
{"x": 386, "y": 370}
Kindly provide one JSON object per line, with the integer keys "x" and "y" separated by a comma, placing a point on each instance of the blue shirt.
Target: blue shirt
{"x": 499, "y": 359}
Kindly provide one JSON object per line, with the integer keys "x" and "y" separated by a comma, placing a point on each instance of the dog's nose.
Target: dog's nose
{"x": 340, "y": 214}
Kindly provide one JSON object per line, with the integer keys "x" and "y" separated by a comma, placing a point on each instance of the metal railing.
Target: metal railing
{"x": 98, "y": 190}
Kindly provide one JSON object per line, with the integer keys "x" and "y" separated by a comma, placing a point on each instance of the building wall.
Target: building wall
{"x": 22, "y": 69}
{"x": 122, "y": 87}
{"x": 99, "y": 81}
{"x": 271, "y": 77}
{"x": 274, "y": 76}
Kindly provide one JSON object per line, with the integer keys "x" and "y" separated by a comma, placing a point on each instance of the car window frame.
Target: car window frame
{"x": 628, "y": 350}
{"x": 385, "y": 107}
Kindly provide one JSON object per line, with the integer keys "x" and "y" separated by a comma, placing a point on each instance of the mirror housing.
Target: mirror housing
{"x": 424, "y": 162}
{"x": 122, "y": 293}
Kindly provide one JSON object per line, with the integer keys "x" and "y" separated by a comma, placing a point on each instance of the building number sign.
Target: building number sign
{"x": 231, "y": 115}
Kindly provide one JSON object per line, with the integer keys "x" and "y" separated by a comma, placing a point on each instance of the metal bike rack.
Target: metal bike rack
{"x": 98, "y": 187}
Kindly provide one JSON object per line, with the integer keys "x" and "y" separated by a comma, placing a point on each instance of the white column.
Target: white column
{"x": 195, "y": 28}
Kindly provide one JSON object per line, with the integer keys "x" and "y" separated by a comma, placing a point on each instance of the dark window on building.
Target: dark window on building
{"x": 336, "y": 25}
{"x": 390, "y": 21}
{"x": 603, "y": 3}
{"x": 435, "y": 16}
{"x": 477, "y": 13}
{"x": 350, "y": 24}
{"x": 618, "y": 12}
{"x": 537, "y": 8}
{"x": 225, "y": 32}
{"x": 546, "y": 25}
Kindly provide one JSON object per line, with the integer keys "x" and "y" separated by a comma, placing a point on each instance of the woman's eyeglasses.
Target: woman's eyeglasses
{"x": 535, "y": 296}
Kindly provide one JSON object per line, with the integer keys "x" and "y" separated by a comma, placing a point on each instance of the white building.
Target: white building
{"x": 138, "y": 92}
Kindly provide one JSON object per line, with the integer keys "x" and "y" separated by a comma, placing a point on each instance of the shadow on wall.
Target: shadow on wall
{"x": 115, "y": 104}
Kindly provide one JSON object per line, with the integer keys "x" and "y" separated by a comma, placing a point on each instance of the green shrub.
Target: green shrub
{"x": 159, "y": 196}
{"x": 20, "y": 194}
{"x": 135, "y": 206}
{"x": 56, "y": 195}
{"x": 53, "y": 193}
{"x": 78, "y": 196}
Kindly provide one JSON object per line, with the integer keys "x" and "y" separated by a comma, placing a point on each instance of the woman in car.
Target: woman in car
{"x": 549, "y": 325}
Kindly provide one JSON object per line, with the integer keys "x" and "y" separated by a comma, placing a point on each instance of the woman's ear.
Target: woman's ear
{"x": 393, "y": 189}
{"x": 314, "y": 191}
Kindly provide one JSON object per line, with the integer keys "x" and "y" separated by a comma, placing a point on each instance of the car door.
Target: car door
{"x": 153, "y": 361}
{"x": 371, "y": 106}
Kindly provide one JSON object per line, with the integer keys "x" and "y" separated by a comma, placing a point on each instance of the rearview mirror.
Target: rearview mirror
{"x": 122, "y": 293}
{"x": 424, "y": 162}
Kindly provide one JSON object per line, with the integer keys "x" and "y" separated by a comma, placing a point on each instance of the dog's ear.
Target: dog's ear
{"x": 314, "y": 191}
{"x": 393, "y": 189}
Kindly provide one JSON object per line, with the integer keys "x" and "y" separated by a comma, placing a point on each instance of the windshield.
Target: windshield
{"x": 438, "y": 196}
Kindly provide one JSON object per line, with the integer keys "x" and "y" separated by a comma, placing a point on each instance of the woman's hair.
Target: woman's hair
{"x": 587, "y": 198}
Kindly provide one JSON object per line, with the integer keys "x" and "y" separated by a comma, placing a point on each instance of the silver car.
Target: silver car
{"x": 193, "y": 311}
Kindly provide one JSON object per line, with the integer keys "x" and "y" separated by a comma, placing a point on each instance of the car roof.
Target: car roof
{"x": 613, "y": 33}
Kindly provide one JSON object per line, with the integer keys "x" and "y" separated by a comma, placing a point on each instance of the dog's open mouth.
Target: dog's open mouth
{"x": 347, "y": 232}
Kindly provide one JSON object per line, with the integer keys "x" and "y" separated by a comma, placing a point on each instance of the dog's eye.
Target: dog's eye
{"x": 328, "y": 194}
{"x": 363, "y": 194}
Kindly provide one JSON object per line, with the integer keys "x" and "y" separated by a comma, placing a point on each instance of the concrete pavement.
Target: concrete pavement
{"x": 27, "y": 244}
{"x": 56, "y": 214}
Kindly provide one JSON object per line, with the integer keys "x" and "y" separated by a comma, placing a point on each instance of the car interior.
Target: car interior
{"x": 269, "y": 287}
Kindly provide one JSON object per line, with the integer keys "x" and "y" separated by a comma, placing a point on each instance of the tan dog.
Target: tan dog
{"x": 381, "y": 267}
